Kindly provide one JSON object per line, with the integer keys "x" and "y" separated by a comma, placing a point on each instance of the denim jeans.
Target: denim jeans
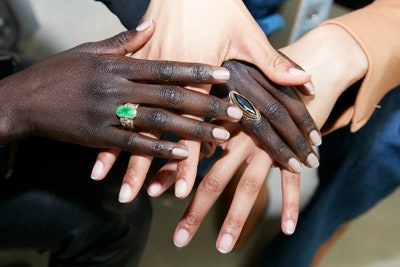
{"x": 357, "y": 171}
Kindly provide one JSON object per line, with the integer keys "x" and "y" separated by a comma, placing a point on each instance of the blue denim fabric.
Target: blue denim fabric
{"x": 356, "y": 172}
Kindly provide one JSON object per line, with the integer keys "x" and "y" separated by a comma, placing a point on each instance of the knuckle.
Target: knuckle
{"x": 234, "y": 224}
{"x": 214, "y": 106}
{"x": 279, "y": 60}
{"x": 172, "y": 95}
{"x": 158, "y": 118}
{"x": 164, "y": 70}
{"x": 212, "y": 184}
{"x": 200, "y": 73}
{"x": 250, "y": 185}
{"x": 275, "y": 111}
{"x": 198, "y": 129}
{"x": 192, "y": 220}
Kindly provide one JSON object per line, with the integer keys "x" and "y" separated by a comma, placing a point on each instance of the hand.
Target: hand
{"x": 212, "y": 32}
{"x": 239, "y": 152}
{"x": 73, "y": 97}
{"x": 285, "y": 129}
{"x": 344, "y": 67}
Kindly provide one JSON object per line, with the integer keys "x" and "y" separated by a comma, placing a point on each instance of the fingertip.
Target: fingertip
{"x": 181, "y": 238}
{"x": 144, "y": 25}
{"x": 289, "y": 227}
{"x": 125, "y": 193}
{"x": 97, "y": 171}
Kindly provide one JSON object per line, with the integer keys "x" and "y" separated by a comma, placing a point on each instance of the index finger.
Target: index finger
{"x": 168, "y": 72}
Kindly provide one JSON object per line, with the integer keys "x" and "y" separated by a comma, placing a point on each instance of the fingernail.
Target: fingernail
{"x": 235, "y": 113}
{"x": 295, "y": 164}
{"x": 312, "y": 160}
{"x": 97, "y": 170}
{"x": 180, "y": 152}
{"x": 180, "y": 188}
{"x": 144, "y": 25}
{"x": 125, "y": 193}
{"x": 154, "y": 190}
{"x": 220, "y": 134}
{"x": 315, "y": 138}
{"x": 225, "y": 244}
{"x": 221, "y": 74}
{"x": 310, "y": 88}
{"x": 298, "y": 72}
{"x": 289, "y": 227}
{"x": 181, "y": 238}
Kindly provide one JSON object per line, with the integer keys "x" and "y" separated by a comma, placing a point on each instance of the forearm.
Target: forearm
{"x": 335, "y": 61}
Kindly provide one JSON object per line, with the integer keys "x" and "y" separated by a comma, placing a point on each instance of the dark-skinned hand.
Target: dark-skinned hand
{"x": 73, "y": 96}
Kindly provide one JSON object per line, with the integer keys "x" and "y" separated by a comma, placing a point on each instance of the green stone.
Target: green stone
{"x": 128, "y": 112}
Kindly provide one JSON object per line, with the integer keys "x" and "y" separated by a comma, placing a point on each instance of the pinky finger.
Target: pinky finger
{"x": 290, "y": 201}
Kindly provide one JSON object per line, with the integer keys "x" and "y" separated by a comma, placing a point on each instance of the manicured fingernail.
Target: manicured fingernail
{"x": 144, "y": 25}
{"x": 289, "y": 227}
{"x": 220, "y": 134}
{"x": 315, "y": 138}
{"x": 312, "y": 160}
{"x": 181, "y": 238}
{"x": 310, "y": 88}
{"x": 221, "y": 74}
{"x": 295, "y": 164}
{"x": 225, "y": 244}
{"x": 298, "y": 72}
{"x": 97, "y": 170}
{"x": 125, "y": 193}
{"x": 154, "y": 190}
{"x": 235, "y": 113}
{"x": 180, "y": 188}
{"x": 180, "y": 152}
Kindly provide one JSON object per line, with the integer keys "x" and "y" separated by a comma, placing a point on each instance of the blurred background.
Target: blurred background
{"x": 46, "y": 27}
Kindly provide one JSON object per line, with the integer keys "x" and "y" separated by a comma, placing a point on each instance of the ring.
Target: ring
{"x": 249, "y": 110}
{"x": 126, "y": 114}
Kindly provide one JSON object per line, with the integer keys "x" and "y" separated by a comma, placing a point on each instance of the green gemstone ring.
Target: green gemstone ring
{"x": 250, "y": 112}
{"x": 126, "y": 114}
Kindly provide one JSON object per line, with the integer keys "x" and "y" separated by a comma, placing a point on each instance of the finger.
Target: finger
{"x": 163, "y": 179}
{"x": 134, "y": 177}
{"x": 105, "y": 160}
{"x": 299, "y": 114}
{"x": 124, "y": 42}
{"x": 246, "y": 193}
{"x": 305, "y": 89}
{"x": 271, "y": 133}
{"x": 162, "y": 120}
{"x": 183, "y": 100}
{"x": 290, "y": 201}
{"x": 139, "y": 144}
{"x": 272, "y": 63}
{"x": 187, "y": 169}
{"x": 208, "y": 191}
{"x": 168, "y": 72}
{"x": 272, "y": 143}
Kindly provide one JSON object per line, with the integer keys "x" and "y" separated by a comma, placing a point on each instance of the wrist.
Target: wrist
{"x": 335, "y": 61}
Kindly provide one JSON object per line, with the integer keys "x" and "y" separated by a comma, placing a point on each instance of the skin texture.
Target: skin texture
{"x": 222, "y": 29}
{"x": 72, "y": 97}
{"x": 335, "y": 65}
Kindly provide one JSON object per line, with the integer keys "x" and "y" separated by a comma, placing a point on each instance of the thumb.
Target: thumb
{"x": 127, "y": 41}
{"x": 273, "y": 64}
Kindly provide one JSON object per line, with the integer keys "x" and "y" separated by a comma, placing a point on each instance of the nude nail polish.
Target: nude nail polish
{"x": 125, "y": 193}
{"x": 225, "y": 244}
{"x": 315, "y": 138}
{"x": 221, "y": 74}
{"x": 220, "y": 134}
{"x": 181, "y": 238}
{"x": 144, "y": 25}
